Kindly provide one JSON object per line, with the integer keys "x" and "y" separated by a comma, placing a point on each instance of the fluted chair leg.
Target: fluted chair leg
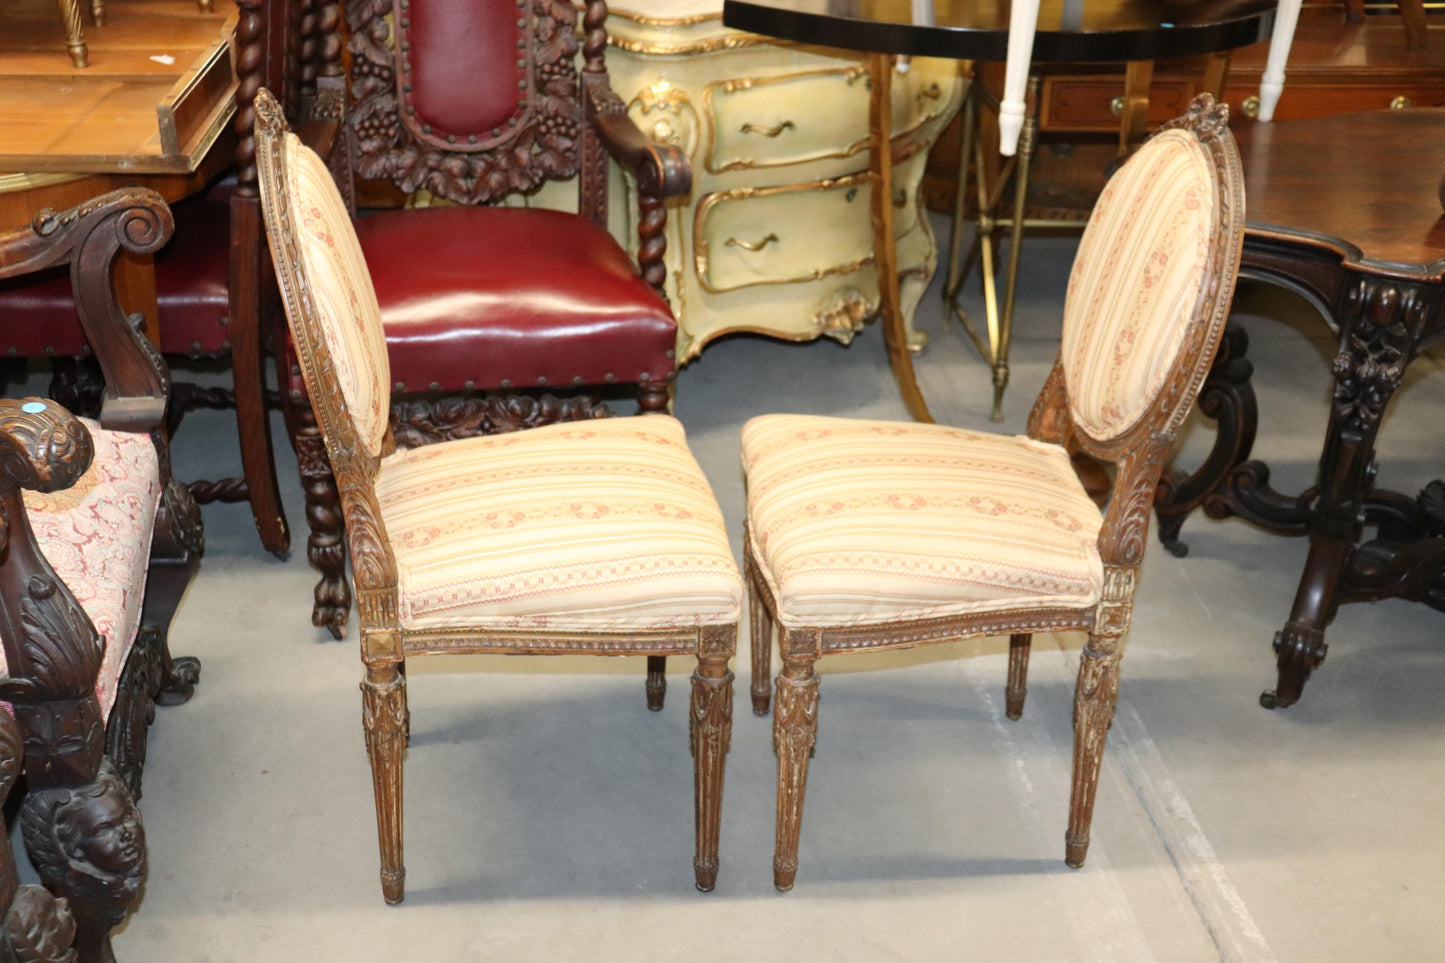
{"x": 760, "y": 637}
{"x": 384, "y": 717}
{"x": 656, "y": 681}
{"x": 710, "y": 728}
{"x": 1095, "y": 696}
{"x": 795, "y": 731}
{"x": 1018, "y": 674}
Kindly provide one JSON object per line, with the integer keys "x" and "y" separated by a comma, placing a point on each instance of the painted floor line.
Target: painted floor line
{"x": 1221, "y": 908}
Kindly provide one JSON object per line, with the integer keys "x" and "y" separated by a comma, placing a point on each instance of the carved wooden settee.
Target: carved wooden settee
{"x": 97, "y": 545}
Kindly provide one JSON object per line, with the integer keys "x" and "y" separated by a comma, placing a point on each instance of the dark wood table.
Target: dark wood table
{"x": 1068, "y": 31}
{"x": 1343, "y": 210}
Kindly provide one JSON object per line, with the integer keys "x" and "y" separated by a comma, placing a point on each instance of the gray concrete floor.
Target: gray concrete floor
{"x": 549, "y": 815}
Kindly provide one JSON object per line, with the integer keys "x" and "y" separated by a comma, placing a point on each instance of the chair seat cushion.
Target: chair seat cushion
{"x": 858, "y": 522}
{"x": 496, "y": 297}
{"x": 97, "y": 537}
{"x": 192, "y": 292}
{"x": 603, "y": 525}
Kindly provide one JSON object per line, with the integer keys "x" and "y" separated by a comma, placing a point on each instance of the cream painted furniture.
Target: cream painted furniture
{"x": 776, "y": 237}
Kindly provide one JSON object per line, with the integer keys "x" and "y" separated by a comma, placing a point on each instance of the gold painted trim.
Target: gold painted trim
{"x": 850, "y": 75}
{"x": 713, "y": 45}
{"x": 649, "y": 21}
{"x": 701, "y": 254}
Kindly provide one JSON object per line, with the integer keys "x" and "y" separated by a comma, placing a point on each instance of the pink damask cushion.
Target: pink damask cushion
{"x": 1135, "y": 281}
{"x": 588, "y": 526}
{"x": 858, "y": 522}
{"x": 97, "y": 536}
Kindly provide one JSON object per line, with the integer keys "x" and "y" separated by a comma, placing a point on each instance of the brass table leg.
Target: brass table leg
{"x": 1000, "y": 323}
{"x": 890, "y": 308}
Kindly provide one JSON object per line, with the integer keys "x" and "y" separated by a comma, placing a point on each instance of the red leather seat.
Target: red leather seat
{"x": 481, "y": 298}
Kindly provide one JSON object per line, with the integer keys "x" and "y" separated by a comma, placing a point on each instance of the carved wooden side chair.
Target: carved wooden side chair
{"x": 473, "y": 101}
{"x": 99, "y": 543}
{"x": 600, "y": 538}
{"x": 868, "y": 535}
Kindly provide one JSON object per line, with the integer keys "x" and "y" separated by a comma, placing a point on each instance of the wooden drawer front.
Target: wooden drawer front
{"x": 1301, "y": 101}
{"x": 1086, "y": 103}
{"x": 782, "y": 235}
{"x": 788, "y": 119}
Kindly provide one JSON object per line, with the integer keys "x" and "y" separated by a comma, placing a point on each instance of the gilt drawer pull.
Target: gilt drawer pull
{"x": 749, "y": 245}
{"x": 768, "y": 131}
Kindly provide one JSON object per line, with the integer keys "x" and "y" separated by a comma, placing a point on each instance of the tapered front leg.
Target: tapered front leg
{"x": 795, "y": 731}
{"x": 1018, "y": 674}
{"x": 1095, "y": 696}
{"x": 384, "y": 717}
{"x": 656, "y": 681}
{"x": 710, "y": 728}
{"x": 760, "y": 635}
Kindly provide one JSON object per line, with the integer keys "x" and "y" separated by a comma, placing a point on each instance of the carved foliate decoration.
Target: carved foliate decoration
{"x": 60, "y": 648}
{"x": 536, "y": 144}
{"x": 1206, "y": 118}
{"x": 1375, "y": 348}
{"x": 417, "y": 422}
{"x": 38, "y": 928}
{"x": 183, "y": 517}
{"x": 88, "y": 843}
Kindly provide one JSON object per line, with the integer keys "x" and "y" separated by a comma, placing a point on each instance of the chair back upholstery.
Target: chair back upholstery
{"x": 469, "y": 99}
{"x": 1153, "y": 278}
{"x": 330, "y": 303}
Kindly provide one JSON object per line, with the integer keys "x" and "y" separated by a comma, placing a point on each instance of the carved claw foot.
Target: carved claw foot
{"x": 180, "y": 683}
{"x": 332, "y": 607}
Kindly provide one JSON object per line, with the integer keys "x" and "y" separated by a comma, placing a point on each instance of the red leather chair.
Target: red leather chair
{"x": 481, "y": 299}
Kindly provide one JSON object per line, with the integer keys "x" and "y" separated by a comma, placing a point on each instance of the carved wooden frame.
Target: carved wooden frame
{"x": 52, "y": 650}
{"x": 1140, "y": 453}
{"x": 385, "y": 643}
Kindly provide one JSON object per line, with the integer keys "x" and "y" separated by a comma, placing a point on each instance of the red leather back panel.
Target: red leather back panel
{"x": 464, "y": 56}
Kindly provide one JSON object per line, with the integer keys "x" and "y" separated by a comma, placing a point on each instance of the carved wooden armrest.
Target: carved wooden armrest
{"x": 661, "y": 170}
{"x": 1049, "y": 420}
{"x": 43, "y": 447}
{"x": 89, "y": 237}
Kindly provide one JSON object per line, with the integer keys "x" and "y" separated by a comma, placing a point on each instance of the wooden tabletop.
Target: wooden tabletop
{"x": 1365, "y": 184}
{"x": 1068, "y": 30}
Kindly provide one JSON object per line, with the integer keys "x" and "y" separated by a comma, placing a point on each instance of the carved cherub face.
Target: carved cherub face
{"x": 108, "y": 832}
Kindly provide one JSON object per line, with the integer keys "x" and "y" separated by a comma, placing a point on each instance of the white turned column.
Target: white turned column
{"x": 1023, "y": 20}
{"x": 1272, "y": 84}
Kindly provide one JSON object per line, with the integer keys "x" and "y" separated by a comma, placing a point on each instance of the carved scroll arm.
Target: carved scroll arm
{"x": 89, "y": 237}
{"x": 1049, "y": 420}
{"x": 1126, "y": 520}
{"x": 661, "y": 170}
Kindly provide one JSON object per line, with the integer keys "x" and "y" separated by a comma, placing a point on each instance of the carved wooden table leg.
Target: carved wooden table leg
{"x": 795, "y": 731}
{"x": 710, "y": 724}
{"x": 1380, "y": 328}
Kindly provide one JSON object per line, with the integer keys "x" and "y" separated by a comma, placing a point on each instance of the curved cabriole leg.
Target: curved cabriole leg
{"x": 326, "y": 545}
{"x": 1300, "y": 646}
{"x": 710, "y": 725}
{"x": 1018, "y": 674}
{"x": 656, "y": 681}
{"x": 1095, "y": 696}
{"x": 384, "y": 717}
{"x": 795, "y": 731}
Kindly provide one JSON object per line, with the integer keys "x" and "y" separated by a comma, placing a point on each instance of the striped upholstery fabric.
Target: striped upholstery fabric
{"x": 96, "y": 535}
{"x": 582, "y": 526}
{"x": 858, "y": 522}
{"x": 340, "y": 288}
{"x": 1135, "y": 280}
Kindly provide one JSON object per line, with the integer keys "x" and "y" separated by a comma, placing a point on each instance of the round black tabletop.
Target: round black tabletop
{"x": 1068, "y": 30}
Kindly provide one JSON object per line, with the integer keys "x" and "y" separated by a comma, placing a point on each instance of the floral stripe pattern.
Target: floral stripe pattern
{"x": 341, "y": 290}
{"x": 857, "y": 522}
{"x": 97, "y": 537}
{"x": 1135, "y": 280}
{"x": 602, "y": 525}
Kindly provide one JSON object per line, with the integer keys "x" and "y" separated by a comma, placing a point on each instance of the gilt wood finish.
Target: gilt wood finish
{"x": 1365, "y": 244}
{"x": 569, "y": 123}
{"x": 386, "y": 644}
{"x": 79, "y": 819}
{"x": 1139, "y": 452}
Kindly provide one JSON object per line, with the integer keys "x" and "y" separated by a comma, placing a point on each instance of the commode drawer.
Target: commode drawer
{"x": 806, "y": 116}
{"x": 779, "y": 235}
{"x": 789, "y": 119}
